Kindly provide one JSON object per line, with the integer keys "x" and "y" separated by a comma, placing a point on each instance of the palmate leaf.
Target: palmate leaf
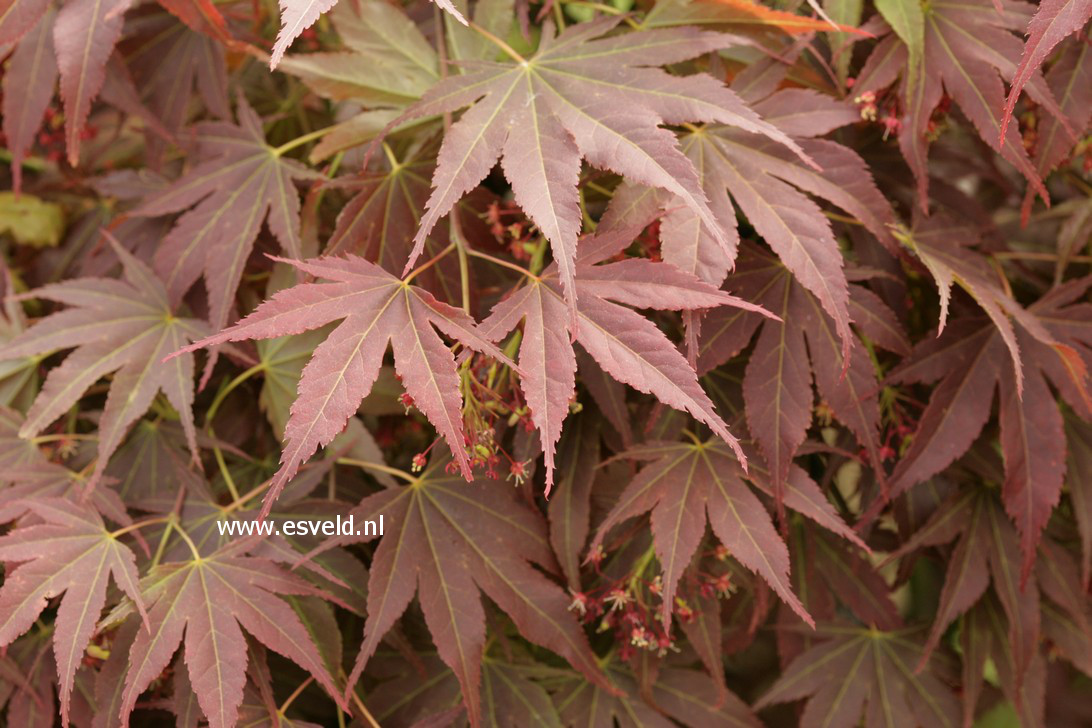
{"x": 50, "y": 480}
{"x": 80, "y": 36}
{"x": 84, "y": 35}
{"x": 1079, "y": 480}
{"x": 298, "y": 15}
{"x": 685, "y": 484}
{"x": 987, "y": 551}
{"x": 968, "y": 49}
{"x": 381, "y": 218}
{"x": 865, "y": 670}
{"x": 377, "y": 308}
{"x": 1053, "y": 345}
{"x": 201, "y": 16}
{"x": 72, "y": 553}
{"x": 943, "y": 245}
{"x": 125, "y": 326}
{"x": 1070, "y": 78}
{"x": 386, "y": 61}
{"x": 447, "y": 542}
{"x": 211, "y": 599}
{"x": 628, "y": 347}
{"x": 171, "y": 64}
{"x": 429, "y": 694}
{"x": 788, "y": 354}
{"x": 240, "y": 182}
{"x": 682, "y": 695}
{"x": 580, "y": 96}
{"x": 18, "y": 17}
{"x": 983, "y": 637}
{"x": 1053, "y": 21}
{"x": 28, "y": 88}
{"x": 570, "y": 508}
{"x": 768, "y": 183}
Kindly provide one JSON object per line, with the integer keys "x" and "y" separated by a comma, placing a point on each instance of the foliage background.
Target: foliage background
{"x": 813, "y": 239}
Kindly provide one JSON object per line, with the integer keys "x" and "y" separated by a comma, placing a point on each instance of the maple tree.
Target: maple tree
{"x": 706, "y": 363}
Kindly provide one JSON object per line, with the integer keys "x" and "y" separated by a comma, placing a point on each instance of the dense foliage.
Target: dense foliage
{"x": 710, "y": 363}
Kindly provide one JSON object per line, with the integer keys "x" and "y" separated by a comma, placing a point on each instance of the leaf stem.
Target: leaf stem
{"x": 559, "y": 16}
{"x": 301, "y": 140}
{"x": 140, "y": 524}
{"x": 842, "y": 218}
{"x": 392, "y": 160}
{"x": 186, "y": 537}
{"x": 608, "y": 9}
{"x": 211, "y": 413}
{"x": 241, "y": 500}
{"x": 461, "y": 249}
{"x": 363, "y": 710}
{"x": 503, "y": 263}
{"x": 61, "y": 437}
{"x": 431, "y": 262}
{"x": 512, "y": 53}
{"x": 379, "y": 468}
{"x": 295, "y": 694}
{"x": 1047, "y": 257}
{"x": 223, "y": 393}
{"x": 221, "y": 463}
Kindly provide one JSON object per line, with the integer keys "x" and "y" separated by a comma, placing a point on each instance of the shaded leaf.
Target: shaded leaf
{"x": 209, "y": 599}
{"x": 376, "y": 308}
{"x": 71, "y": 553}
{"x": 448, "y": 542}
{"x": 124, "y": 326}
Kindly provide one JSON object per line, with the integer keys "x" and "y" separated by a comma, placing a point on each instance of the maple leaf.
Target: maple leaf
{"x": 376, "y": 308}
{"x": 685, "y": 483}
{"x": 764, "y": 181}
{"x": 174, "y": 64}
{"x": 84, "y": 35}
{"x": 28, "y": 88}
{"x": 39, "y": 478}
{"x": 777, "y": 384}
{"x": 966, "y": 363}
{"x": 983, "y": 638}
{"x": 72, "y": 553}
{"x": 448, "y": 541}
{"x": 298, "y": 15}
{"x": 1053, "y": 21}
{"x": 1070, "y": 78}
{"x": 514, "y": 696}
{"x": 966, "y": 52}
{"x": 1053, "y": 338}
{"x": 687, "y": 696}
{"x": 865, "y": 670}
{"x": 567, "y": 110}
{"x": 626, "y": 345}
{"x": 832, "y": 573}
{"x": 931, "y": 240}
{"x": 380, "y": 220}
{"x": 1079, "y": 479}
{"x": 15, "y": 451}
{"x": 987, "y": 551}
{"x": 18, "y": 378}
{"x": 570, "y": 508}
{"x": 208, "y": 598}
{"x": 240, "y": 182}
{"x": 387, "y": 62}
{"x": 201, "y": 16}
{"x": 17, "y": 18}
{"x": 125, "y": 326}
